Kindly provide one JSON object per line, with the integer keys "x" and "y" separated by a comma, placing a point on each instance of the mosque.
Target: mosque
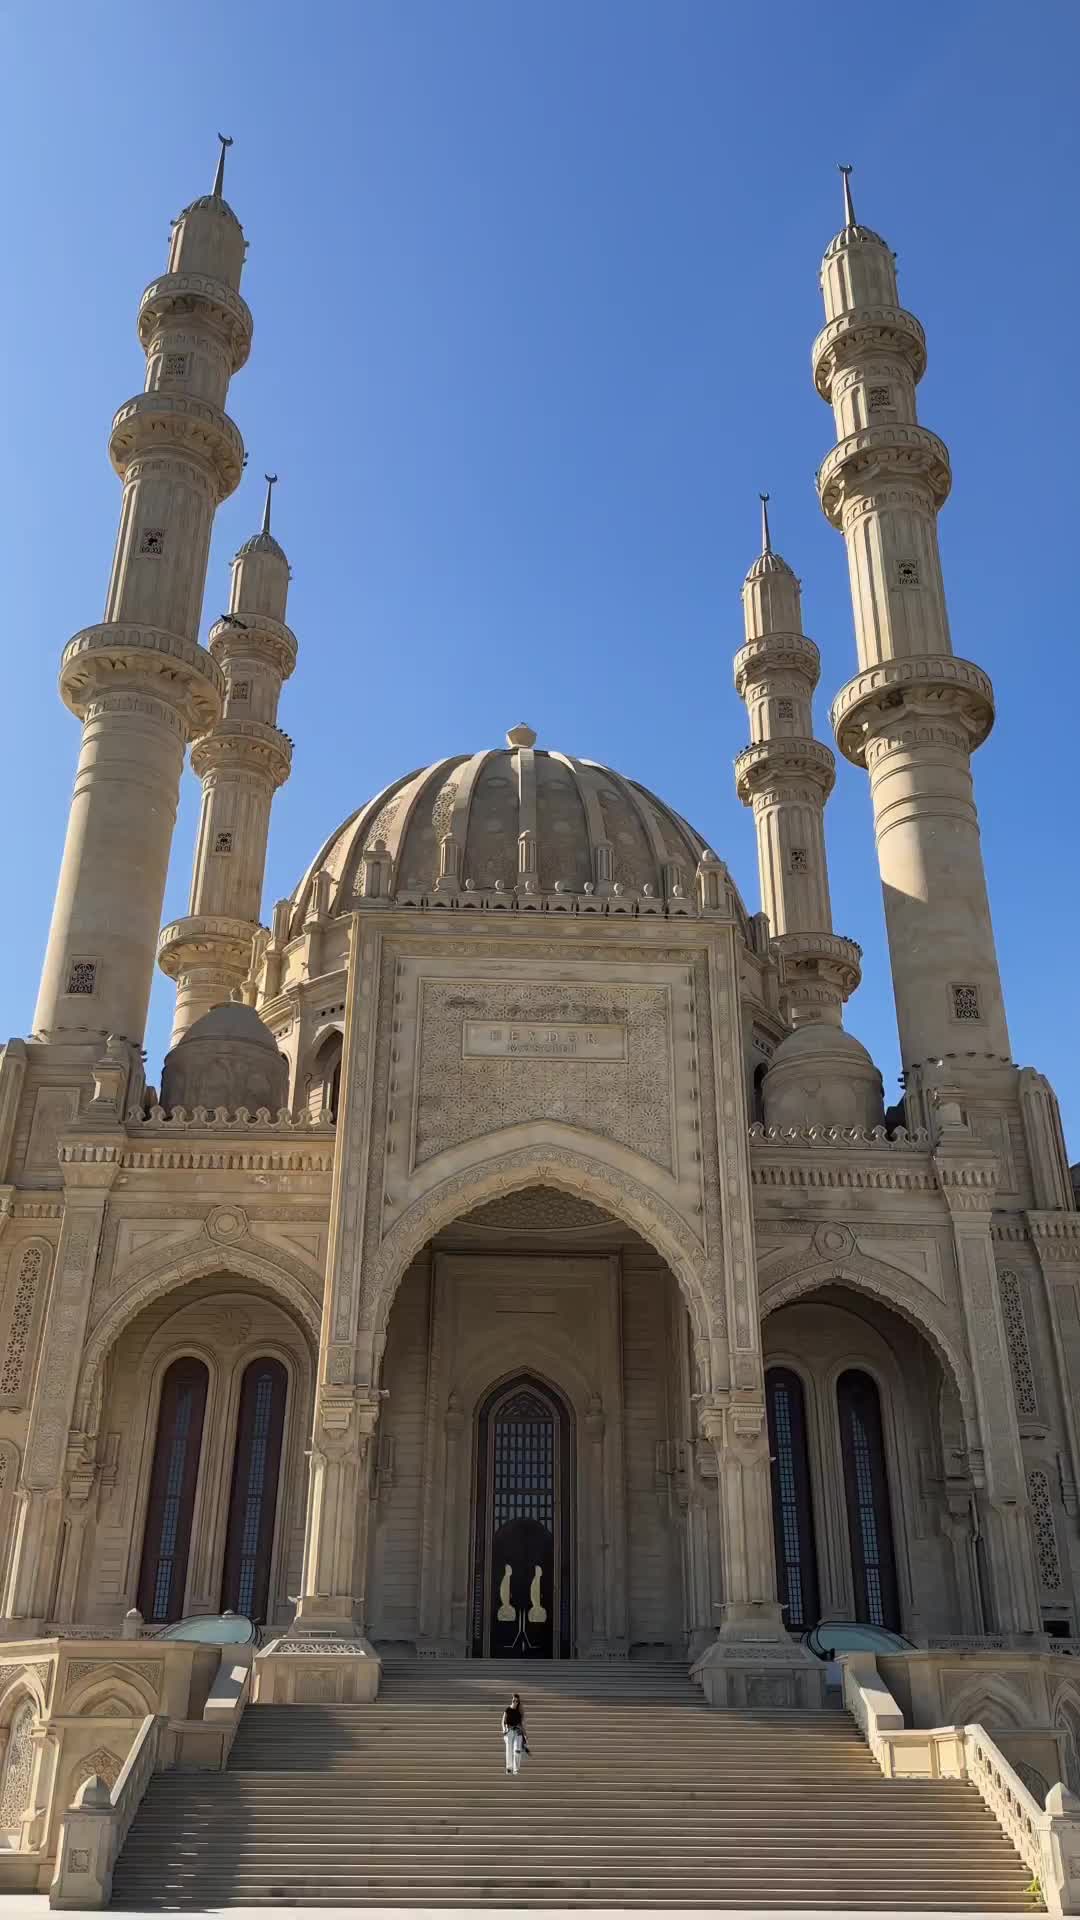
{"x": 515, "y": 1256}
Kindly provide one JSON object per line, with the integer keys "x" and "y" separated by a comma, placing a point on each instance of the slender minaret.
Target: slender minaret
{"x": 914, "y": 712}
{"x": 139, "y": 681}
{"x": 241, "y": 761}
{"x": 786, "y": 776}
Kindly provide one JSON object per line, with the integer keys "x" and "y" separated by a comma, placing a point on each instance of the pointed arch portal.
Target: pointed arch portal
{"x": 523, "y": 1523}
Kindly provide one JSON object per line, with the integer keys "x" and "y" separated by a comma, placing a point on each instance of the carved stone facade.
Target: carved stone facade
{"x": 516, "y": 1146}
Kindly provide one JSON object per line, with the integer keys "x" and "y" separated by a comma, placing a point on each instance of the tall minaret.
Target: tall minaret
{"x": 241, "y": 761}
{"x": 914, "y": 712}
{"x": 786, "y": 776}
{"x": 139, "y": 681}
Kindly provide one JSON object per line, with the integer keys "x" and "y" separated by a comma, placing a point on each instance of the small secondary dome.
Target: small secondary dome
{"x": 509, "y": 821}
{"x": 230, "y": 1059}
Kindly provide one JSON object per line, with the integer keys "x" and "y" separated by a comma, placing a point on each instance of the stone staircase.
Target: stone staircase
{"x": 637, "y": 1795}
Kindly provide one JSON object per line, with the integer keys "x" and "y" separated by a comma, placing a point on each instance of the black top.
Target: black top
{"x": 512, "y": 1717}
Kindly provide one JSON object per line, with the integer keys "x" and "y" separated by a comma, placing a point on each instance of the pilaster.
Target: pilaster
{"x": 967, "y": 1177}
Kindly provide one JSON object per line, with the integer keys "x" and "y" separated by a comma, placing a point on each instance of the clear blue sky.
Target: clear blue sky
{"x": 534, "y": 288}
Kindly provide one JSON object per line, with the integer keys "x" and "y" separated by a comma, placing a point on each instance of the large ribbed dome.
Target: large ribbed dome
{"x": 514, "y": 819}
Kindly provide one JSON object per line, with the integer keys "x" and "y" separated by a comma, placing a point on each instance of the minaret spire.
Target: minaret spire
{"x": 242, "y": 761}
{"x": 137, "y": 720}
{"x": 914, "y": 712}
{"x": 786, "y": 776}
{"x": 218, "y": 189}
{"x": 849, "y": 205}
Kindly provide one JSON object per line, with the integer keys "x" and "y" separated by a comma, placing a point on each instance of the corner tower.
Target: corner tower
{"x": 242, "y": 761}
{"x": 139, "y": 681}
{"x": 914, "y": 712}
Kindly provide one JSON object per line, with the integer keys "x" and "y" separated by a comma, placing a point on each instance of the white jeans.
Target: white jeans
{"x": 513, "y": 1743}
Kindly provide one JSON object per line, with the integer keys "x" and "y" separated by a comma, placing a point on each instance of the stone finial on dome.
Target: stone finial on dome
{"x": 521, "y": 736}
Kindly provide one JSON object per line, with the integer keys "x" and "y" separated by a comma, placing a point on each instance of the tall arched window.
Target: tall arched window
{"x": 167, "y": 1539}
{"x": 249, "y": 1543}
{"x": 873, "y": 1562}
{"x": 793, "y": 1513}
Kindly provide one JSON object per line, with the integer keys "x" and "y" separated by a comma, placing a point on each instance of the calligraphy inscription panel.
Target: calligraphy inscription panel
{"x": 496, "y": 1054}
{"x": 505, "y": 1040}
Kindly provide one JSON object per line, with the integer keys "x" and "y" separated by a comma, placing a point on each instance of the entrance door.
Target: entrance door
{"x": 522, "y": 1585}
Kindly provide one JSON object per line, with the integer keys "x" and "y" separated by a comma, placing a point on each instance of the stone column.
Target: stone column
{"x": 333, "y": 1598}
{"x": 739, "y": 1434}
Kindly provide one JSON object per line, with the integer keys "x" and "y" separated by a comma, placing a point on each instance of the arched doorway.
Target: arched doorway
{"x": 523, "y": 1524}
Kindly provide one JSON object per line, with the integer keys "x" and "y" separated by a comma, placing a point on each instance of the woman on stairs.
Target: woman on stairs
{"x": 513, "y": 1726}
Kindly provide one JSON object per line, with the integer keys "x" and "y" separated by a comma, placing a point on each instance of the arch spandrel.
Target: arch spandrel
{"x": 286, "y": 1280}
{"x": 572, "y": 1169}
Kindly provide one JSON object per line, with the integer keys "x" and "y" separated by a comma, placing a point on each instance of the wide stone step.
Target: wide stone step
{"x": 638, "y": 1796}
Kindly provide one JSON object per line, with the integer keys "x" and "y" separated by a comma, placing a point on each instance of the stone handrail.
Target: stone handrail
{"x": 1046, "y": 1838}
{"x": 1015, "y": 1809}
{"x": 95, "y": 1826}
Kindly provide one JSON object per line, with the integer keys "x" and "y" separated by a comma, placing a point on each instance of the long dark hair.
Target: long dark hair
{"x": 515, "y": 1701}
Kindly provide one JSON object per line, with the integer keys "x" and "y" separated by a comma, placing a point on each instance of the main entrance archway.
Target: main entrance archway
{"x": 523, "y": 1523}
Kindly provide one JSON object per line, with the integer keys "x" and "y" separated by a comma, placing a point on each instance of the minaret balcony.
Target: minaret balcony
{"x": 860, "y": 463}
{"x": 767, "y": 763}
{"x": 203, "y": 939}
{"x": 150, "y": 421}
{"x": 250, "y": 636}
{"x": 244, "y": 746}
{"x": 776, "y": 653}
{"x": 928, "y": 690}
{"x": 867, "y": 330}
{"x": 188, "y": 296}
{"x": 825, "y": 967}
{"x": 114, "y": 657}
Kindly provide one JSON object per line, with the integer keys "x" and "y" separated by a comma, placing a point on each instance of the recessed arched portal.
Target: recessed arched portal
{"x": 538, "y": 1492}
{"x": 867, "y": 1440}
